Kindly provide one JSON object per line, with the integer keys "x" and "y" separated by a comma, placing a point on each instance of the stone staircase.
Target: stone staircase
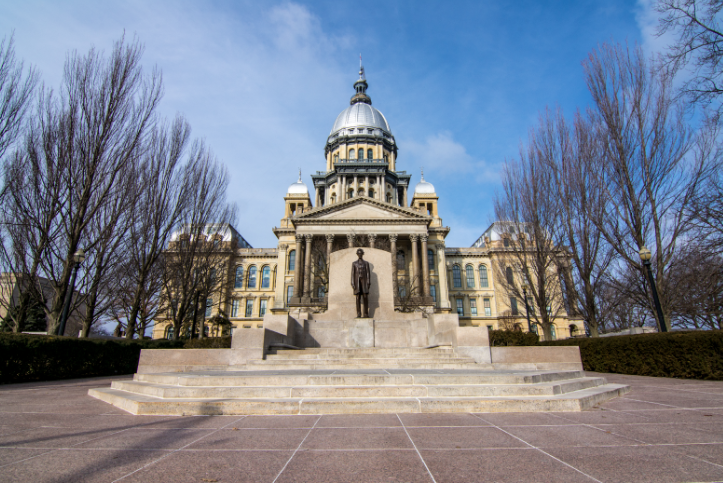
{"x": 373, "y": 380}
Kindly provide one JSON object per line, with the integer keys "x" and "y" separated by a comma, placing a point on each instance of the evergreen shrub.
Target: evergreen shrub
{"x": 25, "y": 357}
{"x": 512, "y": 337}
{"x": 686, "y": 355}
{"x": 208, "y": 343}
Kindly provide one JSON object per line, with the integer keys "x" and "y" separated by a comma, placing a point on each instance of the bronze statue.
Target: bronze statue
{"x": 361, "y": 278}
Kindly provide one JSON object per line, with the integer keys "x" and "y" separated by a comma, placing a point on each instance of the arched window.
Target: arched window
{"x": 371, "y": 193}
{"x": 573, "y": 330}
{"x": 292, "y": 260}
{"x": 400, "y": 260}
{"x": 470, "y": 276}
{"x": 169, "y": 332}
{"x": 430, "y": 258}
{"x": 508, "y": 275}
{"x": 333, "y": 198}
{"x": 352, "y": 154}
{"x": 239, "y": 280}
{"x": 360, "y": 192}
{"x": 483, "y": 280}
{"x": 266, "y": 277}
{"x": 389, "y": 198}
{"x": 350, "y": 193}
{"x": 252, "y": 278}
{"x": 456, "y": 276}
{"x": 370, "y": 154}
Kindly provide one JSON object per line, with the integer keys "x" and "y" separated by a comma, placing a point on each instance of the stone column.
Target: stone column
{"x": 298, "y": 268}
{"x": 372, "y": 239}
{"x": 356, "y": 185}
{"x": 366, "y": 185}
{"x": 307, "y": 266}
{"x": 329, "y": 243}
{"x": 393, "y": 243}
{"x": 316, "y": 201}
{"x": 281, "y": 277}
{"x": 443, "y": 287}
{"x": 350, "y": 238}
{"x": 416, "y": 275}
{"x": 342, "y": 188}
{"x": 425, "y": 266}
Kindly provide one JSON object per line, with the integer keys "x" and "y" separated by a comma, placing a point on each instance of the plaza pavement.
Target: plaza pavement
{"x": 665, "y": 430}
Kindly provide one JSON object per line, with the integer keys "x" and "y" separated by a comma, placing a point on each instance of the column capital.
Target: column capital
{"x": 393, "y": 238}
{"x": 299, "y": 238}
{"x": 414, "y": 238}
{"x": 372, "y": 236}
{"x": 423, "y": 238}
{"x": 330, "y": 238}
{"x": 308, "y": 238}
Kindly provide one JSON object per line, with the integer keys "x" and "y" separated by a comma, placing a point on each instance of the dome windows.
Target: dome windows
{"x": 352, "y": 154}
{"x": 370, "y": 154}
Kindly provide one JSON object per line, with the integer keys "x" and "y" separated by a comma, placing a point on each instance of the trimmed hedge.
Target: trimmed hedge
{"x": 25, "y": 357}
{"x": 209, "y": 343}
{"x": 686, "y": 355}
{"x": 512, "y": 337}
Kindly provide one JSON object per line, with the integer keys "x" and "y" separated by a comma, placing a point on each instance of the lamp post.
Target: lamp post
{"x": 527, "y": 308}
{"x": 78, "y": 258}
{"x": 645, "y": 256}
{"x": 195, "y": 312}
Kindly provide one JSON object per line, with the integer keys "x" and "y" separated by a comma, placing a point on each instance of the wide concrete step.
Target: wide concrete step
{"x": 354, "y": 391}
{"x": 319, "y": 378}
{"x": 271, "y": 365}
{"x": 361, "y": 362}
{"x": 380, "y": 353}
{"x": 145, "y": 404}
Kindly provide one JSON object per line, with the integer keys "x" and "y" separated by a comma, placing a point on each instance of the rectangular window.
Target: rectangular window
{"x": 289, "y": 293}
{"x": 249, "y": 307}
{"x": 460, "y": 307}
{"x": 456, "y": 277}
{"x": 530, "y": 306}
{"x": 212, "y": 276}
{"x": 488, "y": 308}
{"x": 262, "y": 308}
{"x": 209, "y": 306}
{"x": 234, "y": 308}
{"x": 473, "y": 306}
{"x": 433, "y": 292}
{"x": 513, "y": 306}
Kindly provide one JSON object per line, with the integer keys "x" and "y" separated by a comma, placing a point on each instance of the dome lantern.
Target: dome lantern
{"x": 424, "y": 187}
{"x": 298, "y": 188}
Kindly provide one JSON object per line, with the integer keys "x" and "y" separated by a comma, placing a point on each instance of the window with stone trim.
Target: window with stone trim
{"x": 401, "y": 265}
{"x": 483, "y": 279}
{"x": 460, "y": 307}
{"x": 509, "y": 276}
{"x": 470, "y": 276}
{"x": 473, "y": 306}
{"x": 433, "y": 292}
{"x": 456, "y": 277}
{"x": 252, "y": 277}
{"x": 292, "y": 260}
{"x": 430, "y": 258}
{"x": 209, "y": 306}
{"x": 262, "y": 307}
{"x": 289, "y": 293}
{"x": 234, "y": 308}
{"x": 513, "y": 306}
{"x": 239, "y": 279}
{"x": 352, "y": 154}
{"x": 266, "y": 277}
{"x": 370, "y": 154}
{"x": 488, "y": 308}
{"x": 249, "y": 307}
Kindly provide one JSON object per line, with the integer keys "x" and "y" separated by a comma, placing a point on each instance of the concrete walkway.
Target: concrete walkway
{"x": 665, "y": 430}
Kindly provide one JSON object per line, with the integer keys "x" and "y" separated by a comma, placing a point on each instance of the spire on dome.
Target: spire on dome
{"x": 361, "y": 87}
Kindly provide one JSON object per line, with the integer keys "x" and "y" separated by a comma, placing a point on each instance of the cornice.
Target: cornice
{"x": 360, "y": 200}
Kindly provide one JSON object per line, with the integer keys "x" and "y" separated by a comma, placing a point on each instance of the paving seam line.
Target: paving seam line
{"x": 297, "y": 448}
{"x": 538, "y": 449}
{"x": 179, "y": 449}
{"x": 415, "y": 447}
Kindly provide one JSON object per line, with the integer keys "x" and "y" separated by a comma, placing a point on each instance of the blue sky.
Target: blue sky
{"x": 460, "y": 83}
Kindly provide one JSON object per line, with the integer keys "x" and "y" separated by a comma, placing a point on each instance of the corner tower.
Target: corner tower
{"x": 361, "y": 156}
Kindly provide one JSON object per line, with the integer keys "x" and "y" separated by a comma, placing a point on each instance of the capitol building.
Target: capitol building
{"x": 361, "y": 198}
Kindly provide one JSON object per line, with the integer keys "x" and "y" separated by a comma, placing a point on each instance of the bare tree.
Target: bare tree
{"x": 16, "y": 93}
{"x": 697, "y": 274}
{"x": 100, "y": 121}
{"x": 572, "y": 155}
{"x": 651, "y": 167}
{"x": 532, "y": 261}
{"x": 197, "y": 263}
{"x": 696, "y": 25}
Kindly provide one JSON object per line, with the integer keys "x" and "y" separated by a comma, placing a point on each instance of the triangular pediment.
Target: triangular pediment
{"x": 361, "y": 209}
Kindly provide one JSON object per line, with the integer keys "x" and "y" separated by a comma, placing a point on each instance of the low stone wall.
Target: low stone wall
{"x": 537, "y": 358}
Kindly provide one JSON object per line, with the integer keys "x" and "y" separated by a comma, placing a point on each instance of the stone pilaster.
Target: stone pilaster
{"x": 425, "y": 266}
{"x": 350, "y": 239}
{"x": 393, "y": 243}
{"x": 329, "y": 244}
{"x": 298, "y": 268}
{"x": 444, "y": 302}
{"x": 307, "y": 266}
{"x": 415, "y": 278}
{"x": 372, "y": 239}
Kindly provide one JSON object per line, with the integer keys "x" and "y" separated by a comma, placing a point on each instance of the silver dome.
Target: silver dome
{"x": 298, "y": 188}
{"x": 424, "y": 187}
{"x": 360, "y": 115}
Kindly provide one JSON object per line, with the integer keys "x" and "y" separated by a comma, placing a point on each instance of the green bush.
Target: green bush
{"x": 687, "y": 355}
{"x": 208, "y": 343}
{"x": 512, "y": 337}
{"x": 25, "y": 357}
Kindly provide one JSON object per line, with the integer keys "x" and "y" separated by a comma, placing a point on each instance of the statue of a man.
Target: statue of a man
{"x": 361, "y": 277}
